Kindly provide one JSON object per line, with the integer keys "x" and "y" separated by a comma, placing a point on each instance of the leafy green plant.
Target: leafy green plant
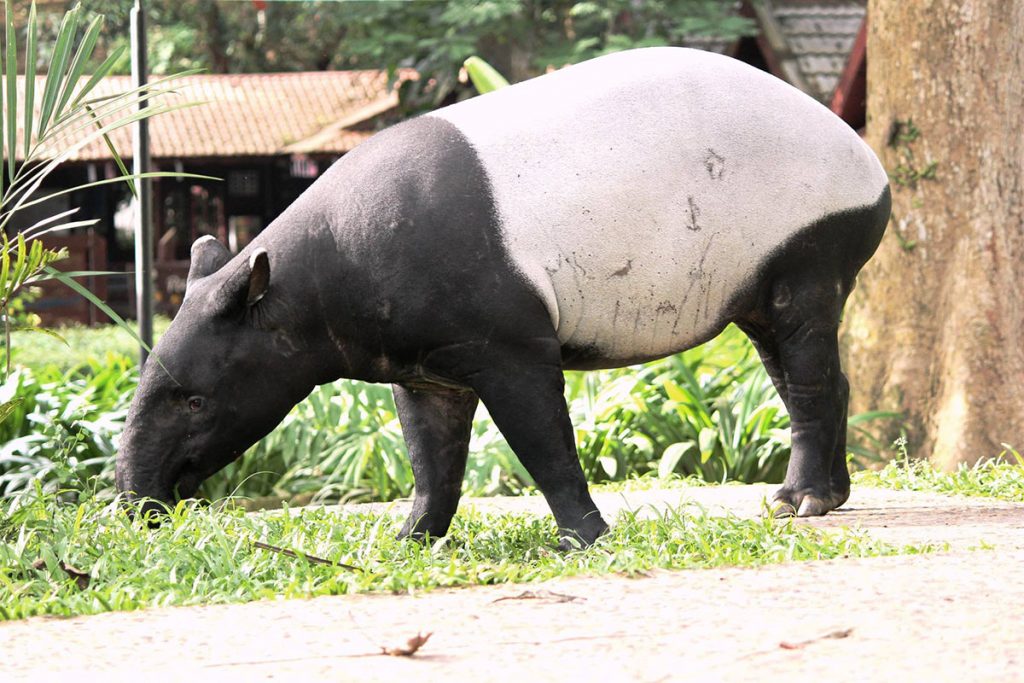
{"x": 21, "y": 263}
{"x": 710, "y": 411}
{"x": 55, "y": 124}
{"x": 61, "y": 432}
{"x": 485, "y": 77}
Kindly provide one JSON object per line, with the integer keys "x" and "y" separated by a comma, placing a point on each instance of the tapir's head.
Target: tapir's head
{"x": 220, "y": 378}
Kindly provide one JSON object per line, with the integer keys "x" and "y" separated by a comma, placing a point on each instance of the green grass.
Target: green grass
{"x": 80, "y": 345}
{"x": 1001, "y": 477}
{"x": 205, "y": 556}
{"x": 651, "y": 481}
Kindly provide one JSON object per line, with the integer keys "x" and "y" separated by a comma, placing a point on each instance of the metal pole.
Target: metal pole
{"x": 143, "y": 200}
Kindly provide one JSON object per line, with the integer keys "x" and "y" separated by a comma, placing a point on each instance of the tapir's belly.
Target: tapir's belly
{"x": 638, "y": 193}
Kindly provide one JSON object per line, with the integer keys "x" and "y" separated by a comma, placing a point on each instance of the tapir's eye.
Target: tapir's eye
{"x": 195, "y": 403}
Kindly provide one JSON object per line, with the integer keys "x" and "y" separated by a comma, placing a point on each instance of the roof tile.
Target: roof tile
{"x": 252, "y": 114}
{"x": 820, "y": 35}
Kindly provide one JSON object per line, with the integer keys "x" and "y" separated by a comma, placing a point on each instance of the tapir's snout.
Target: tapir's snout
{"x": 141, "y": 487}
{"x": 147, "y": 489}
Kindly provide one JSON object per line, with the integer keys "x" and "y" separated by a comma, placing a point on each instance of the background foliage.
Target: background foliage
{"x": 709, "y": 412}
{"x": 519, "y": 37}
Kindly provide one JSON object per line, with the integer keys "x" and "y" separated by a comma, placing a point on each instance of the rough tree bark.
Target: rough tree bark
{"x": 936, "y": 326}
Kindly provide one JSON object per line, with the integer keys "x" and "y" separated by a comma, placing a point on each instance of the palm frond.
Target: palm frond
{"x": 31, "y": 54}
{"x": 65, "y": 118}
{"x": 11, "y": 69}
{"x": 55, "y": 74}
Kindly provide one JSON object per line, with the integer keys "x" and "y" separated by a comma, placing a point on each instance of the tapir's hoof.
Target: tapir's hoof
{"x": 805, "y": 503}
{"x": 584, "y": 536}
{"x": 421, "y": 529}
{"x": 151, "y": 511}
{"x": 418, "y": 536}
{"x": 780, "y": 508}
{"x": 839, "y": 496}
{"x": 812, "y": 506}
{"x": 421, "y": 535}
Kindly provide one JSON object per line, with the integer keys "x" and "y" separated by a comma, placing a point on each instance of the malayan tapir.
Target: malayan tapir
{"x": 612, "y": 212}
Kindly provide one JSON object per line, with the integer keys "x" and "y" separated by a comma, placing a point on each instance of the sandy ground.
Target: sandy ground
{"x": 957, "y": 616}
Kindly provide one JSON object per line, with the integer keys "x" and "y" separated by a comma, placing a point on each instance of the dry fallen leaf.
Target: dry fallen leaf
{"x": 410, "y": 648}
{"x": 81, "y": 578}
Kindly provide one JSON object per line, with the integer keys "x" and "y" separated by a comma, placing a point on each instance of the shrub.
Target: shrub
{"x": 63, "y": 428}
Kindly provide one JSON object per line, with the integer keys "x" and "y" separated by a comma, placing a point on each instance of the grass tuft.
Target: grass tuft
{"x": 1001, "y": 477}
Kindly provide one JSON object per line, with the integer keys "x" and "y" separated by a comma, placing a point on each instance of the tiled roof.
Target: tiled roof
{"x": 819, "y": 35}
{"x": 255, "y": 114}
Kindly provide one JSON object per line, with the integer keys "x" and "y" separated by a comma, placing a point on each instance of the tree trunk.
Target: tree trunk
{"x": 215, "y": 39}
{"x": 935, "y": 328}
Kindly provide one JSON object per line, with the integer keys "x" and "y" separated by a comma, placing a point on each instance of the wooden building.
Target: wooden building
{"x": 264, "y": 138}
{"x": 817, "y": 45}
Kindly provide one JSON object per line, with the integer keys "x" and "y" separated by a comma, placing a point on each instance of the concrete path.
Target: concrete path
{"x": 950, "y": 616}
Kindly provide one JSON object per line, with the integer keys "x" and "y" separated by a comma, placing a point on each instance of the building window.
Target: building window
{"x": 244, "y": 183}
{"x": 241, "y": 230}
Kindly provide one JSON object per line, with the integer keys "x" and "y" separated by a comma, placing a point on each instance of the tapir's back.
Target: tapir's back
{"x": 640, "y": 192}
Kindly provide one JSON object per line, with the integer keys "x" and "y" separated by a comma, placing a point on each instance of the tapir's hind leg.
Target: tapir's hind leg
{"x": 524, "y": 397}
{"x": 437, "y": 426}
{"x": 840, "y": 475}
{"x": 796, "y": 334}
{"x": 794, "y": 324}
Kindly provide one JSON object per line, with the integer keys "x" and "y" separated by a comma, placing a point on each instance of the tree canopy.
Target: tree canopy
{"x": 520, "y": 37}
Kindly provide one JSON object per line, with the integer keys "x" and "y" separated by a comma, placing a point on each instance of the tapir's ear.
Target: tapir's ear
{"x": 247, "y": 284}
{"x": 259, "y": 276}
{"x": 208, "y": 256}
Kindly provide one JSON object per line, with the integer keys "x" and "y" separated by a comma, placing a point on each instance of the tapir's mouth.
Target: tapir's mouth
{"x": 154, "y": 508}
{"x": 149, "y": 509}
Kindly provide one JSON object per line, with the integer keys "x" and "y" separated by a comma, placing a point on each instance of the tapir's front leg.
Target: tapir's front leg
{"x": 526, "y": 401}
{"x": 437, "y": 426}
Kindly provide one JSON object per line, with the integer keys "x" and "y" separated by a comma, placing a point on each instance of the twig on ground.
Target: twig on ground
{"x": 542, "y": 595}
{"x": 408, "y": 650}
{"x": 309, "y": 558}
